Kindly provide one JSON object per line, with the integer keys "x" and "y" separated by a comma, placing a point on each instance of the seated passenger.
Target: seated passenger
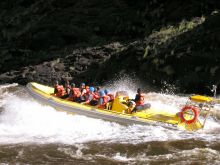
{"x": 71, "y": 91}
{"x": 97, "y": 89}
{"x": 139, "y": 101}
{"x": 87, "y": 89}
{"x": 83, "y": 92}
{"x": 92, "y": 98}
{"x": 87, "y": 92}
{"x": 74, "y": 93}
{"x": 103, "y": 100}
{"x": 111, "y": 96}
{"x": 58, "y": 90}
{"x": 67, "y": 89}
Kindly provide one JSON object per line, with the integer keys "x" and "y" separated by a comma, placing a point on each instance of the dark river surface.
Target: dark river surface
{"x": 33, "y": 133}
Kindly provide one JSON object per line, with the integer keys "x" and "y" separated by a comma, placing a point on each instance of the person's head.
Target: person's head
{"x": 139, "y": 90}
{"x": 101, "y": 93}
{"x": 91, "y": 89}
{"x": 73, "y": 85}
{"x": 97, "y": 88}
{"x": 56, "y": 82}
{"x": 107, "y": 91}
{"x": 82, "y": 85}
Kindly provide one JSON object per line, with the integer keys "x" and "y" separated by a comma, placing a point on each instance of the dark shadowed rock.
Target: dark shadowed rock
{"x": 95, "y": 40}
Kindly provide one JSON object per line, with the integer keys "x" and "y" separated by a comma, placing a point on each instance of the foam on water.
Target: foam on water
{"x": 184, "y": 156}
{"x": 8, "y": 85}
{"x": 23, "y": 120}
{"x": 180, "y": 156}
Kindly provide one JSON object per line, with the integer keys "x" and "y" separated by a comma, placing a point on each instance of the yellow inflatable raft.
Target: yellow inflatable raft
{"x": 116, "y": 112}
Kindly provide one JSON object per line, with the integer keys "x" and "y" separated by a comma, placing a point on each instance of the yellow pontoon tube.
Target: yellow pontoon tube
{"x": 117, "y": 112}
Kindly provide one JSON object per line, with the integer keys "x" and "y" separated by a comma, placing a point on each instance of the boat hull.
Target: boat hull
{"x": 149, "y": 116}
{"x": 71, "y": 107}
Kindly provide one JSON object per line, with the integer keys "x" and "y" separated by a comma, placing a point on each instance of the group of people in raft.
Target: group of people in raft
{"x": 94, "y": 96}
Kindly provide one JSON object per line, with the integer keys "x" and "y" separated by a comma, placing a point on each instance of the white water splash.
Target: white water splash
{"x": 24, "y": 120}
{"x": 123, "y": 83}
{"x": 8, "y": 85}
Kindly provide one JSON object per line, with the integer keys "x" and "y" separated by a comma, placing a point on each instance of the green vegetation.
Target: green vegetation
{"x": 166, "y": 33}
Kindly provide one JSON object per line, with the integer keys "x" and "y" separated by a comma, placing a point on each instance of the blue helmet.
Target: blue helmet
{"x": 83, "y": 84}
{"x": 107, "y": 91}
{"x": 91, "y": 89}
{"x": 102, "y": 93}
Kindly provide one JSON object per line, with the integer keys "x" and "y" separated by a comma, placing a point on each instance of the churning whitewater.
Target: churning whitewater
{"x": 23, "y": 120}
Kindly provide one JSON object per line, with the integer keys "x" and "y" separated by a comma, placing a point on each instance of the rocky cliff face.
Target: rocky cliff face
{"x": 92, "y": 41}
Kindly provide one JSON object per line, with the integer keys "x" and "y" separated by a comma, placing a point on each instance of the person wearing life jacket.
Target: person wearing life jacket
{"x": 83, "y": 92}
{"x": 92, "y": 98}
{"x": 97, "y": 89}
{"x": 111, "y": 96}
{"x": 67, "y": 88}
{"x": 139, "y": 98}
{"x": 139, "y": 101}
{"x": 87, "y": 89}
{"x": 89, "y": 95}
{"x": 59, "y": 90}
{"x": 103, "y": 100}
{"x": 87, "y": 92}
{"x": 96, "y": 97}
{"x": 74, "y": 93}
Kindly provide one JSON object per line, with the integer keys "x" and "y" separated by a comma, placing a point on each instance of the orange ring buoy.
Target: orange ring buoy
{"x": 195, "y": 112}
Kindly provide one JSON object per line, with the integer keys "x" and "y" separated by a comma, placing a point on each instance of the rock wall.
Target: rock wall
{"x": 94, "y": 40}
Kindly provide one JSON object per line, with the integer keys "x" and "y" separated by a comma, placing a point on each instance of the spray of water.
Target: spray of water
{"x": 23, "y": 120}
{"x": 123, "y": 83}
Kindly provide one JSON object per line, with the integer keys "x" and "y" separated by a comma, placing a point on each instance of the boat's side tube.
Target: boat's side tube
{"x": 90, "y": 113}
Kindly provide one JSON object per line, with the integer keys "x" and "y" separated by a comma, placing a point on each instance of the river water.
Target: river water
{"x": 33, "y": 133}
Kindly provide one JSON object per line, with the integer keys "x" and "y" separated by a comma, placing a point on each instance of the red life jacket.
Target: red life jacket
{"x": 105, "y": 101}
{"x": 140, "y": 101}
{"x": 111, "y": 96}
{"x": 87, "y": 90}
{"x": 76, "y": 92}
{"x": 95, "y": 96}
{"x": 60, "y": 91}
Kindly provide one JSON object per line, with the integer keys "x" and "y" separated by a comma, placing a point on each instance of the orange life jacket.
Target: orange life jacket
{"x": 105, "y": 101}
{"x": 95, "y": 96}
{"x": 60, "y": 91}
{"x": 140, "y": 101}
{"x": 76, "y": 92}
